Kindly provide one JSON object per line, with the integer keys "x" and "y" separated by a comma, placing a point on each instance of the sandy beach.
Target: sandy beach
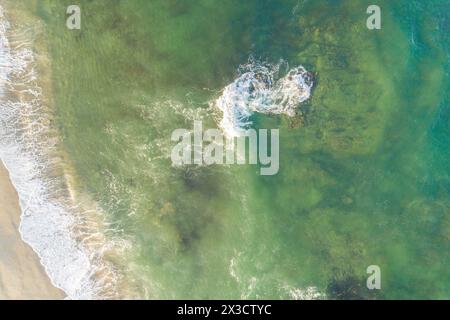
{"x": 21, "y": 274}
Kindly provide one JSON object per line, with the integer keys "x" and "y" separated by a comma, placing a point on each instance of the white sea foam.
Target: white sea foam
{"x": 259, "y": 88}
{"x": 50, "y": 219}
{"x": 249, "y": 284}
{"x": 308, "y": 293}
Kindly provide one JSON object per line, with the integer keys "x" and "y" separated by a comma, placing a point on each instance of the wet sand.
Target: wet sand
{"x": 21, "y": 274}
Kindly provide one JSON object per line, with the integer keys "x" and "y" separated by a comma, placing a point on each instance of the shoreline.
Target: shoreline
{"x": 22, "y": 275}
{"x": 63, "y": 228}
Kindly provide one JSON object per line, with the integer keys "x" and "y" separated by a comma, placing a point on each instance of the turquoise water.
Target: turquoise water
{"x": 364, "y": 167}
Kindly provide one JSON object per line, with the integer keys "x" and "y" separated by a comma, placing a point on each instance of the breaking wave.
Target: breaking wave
{"x": 260, "y": 89}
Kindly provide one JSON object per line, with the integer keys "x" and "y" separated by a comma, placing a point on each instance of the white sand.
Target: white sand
{"x": 21, "y": 274}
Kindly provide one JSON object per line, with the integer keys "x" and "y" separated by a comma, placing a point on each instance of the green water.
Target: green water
{"x": 364, "y": 175}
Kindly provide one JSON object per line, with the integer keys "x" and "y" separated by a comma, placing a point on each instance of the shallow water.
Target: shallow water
{"x": 364, "y": 165}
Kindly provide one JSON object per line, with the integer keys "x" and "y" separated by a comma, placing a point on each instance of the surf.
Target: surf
{"x": 260, "y": 88}
{"x": 62, "y": 231}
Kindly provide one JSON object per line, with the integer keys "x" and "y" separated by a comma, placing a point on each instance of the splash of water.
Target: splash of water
{"x": 258, "y": 88}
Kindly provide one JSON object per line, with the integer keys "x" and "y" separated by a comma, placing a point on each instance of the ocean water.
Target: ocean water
{"x": 364, "y": 160}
